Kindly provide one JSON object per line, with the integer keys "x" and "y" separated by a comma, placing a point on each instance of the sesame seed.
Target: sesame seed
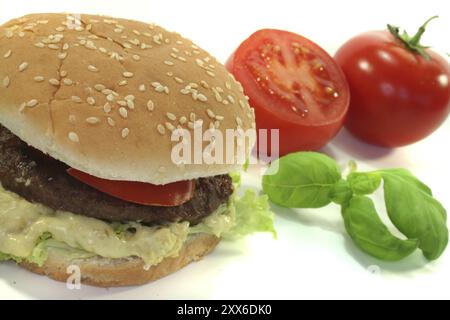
{"x": 123, "y": 112}
{"x": 192, "y": 116}
{"x": 169, "y": 74}
{"x": 136, "y": 57}
{"x": 239, "y": 121}
{"x": 175, "y": 50}
{"x": 231, "y": 99}
{"x": 92, "y": 68}
{"x": 111, "y": 121}
{"x": 225, "y": 102}
{"x": 161, "y": 169}
{"x": 110, "y": 97}
{"x": 9, "y": 34}
{"x": 102, "y": 50}
{"x": 210, "y": 113}
{"x": 60, "y": 29}
{"x": 210, "y": 73}
{"x": 185, "y": 91}
{"x": 122, "y": 103}
{"x": 145, "y": 46}
{"x": 22, "y": 107}
{"x": 150, "y": 105}
{"x": 7, "y": 54}
{"x": 54, "y": 82}
{"x": 125, "y": 132}
{"x": 169, "y": 63}
{"x": 99, "y": 87}
{"x": 118, "y": 30}
{"x": 161, "y": 129}
{"x": 62, "y": 55}
{"x": 242, "y": 104}
{"x": 171, "y": 116}
{"x": 65, "y": 46}
{"x": 202, "y": 97}
{"x": 127, "y": 45}
{"x": 182, "y": 59}
{"x": 173, "y": 55}
{"x": 183, "y": 120}
{"x": 136, "y": 42}
{"x": 204, "y": 84}
{"x": 6, "y": 82}
{"x": 228, "y": 85}
{"x": 32, "y": 103}
{"x": 23, "y": 66}
{"x": 53, "y": 46}
{"x": 92, "y": 120}
{"x": 107, "y": 107}
{"x": 90, "y": 101}
{"x": 179, "y": 42}
{"x": 170, "y": 126}
{"x": 136, "y": 32}
{"x": 39, "y": 78}
{"x": 217, "y": 124}
{"x": 142, "y": 87}
{"x": 63, "y": 73}
{"x": 219, "y": 118}
{"x": 91, "y": 45}
{"x": 39, "y": 45}
{"x": 72, "y": 119}
{"x": 76, "y": 99}
{"x": 179, "y": 80}
{"x": 67, "y": 82}
{"x": 73, "y": 137}
{"x": 127, "y": 74}
{"x": 130, "y": 104}
{"x": 129, "y": 97}
{"x": 123, "y": 83}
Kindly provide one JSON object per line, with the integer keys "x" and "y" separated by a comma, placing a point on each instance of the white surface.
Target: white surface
{"x": 313, "y": 258}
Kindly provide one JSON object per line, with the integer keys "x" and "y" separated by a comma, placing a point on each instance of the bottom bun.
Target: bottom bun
{"x": 104, "y": 272}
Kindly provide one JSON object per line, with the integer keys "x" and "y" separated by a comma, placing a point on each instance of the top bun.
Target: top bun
{"x": 103, "y": 94}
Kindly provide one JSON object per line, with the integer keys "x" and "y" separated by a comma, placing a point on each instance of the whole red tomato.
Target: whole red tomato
{"x": 399, "y": 90}
{"x": 294, "y": 86}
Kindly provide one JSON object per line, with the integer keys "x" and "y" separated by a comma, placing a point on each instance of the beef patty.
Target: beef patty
{"x": 42, "y": 179}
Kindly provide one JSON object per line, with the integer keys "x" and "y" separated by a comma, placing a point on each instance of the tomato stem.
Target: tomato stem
{"x": 412, "y": 43}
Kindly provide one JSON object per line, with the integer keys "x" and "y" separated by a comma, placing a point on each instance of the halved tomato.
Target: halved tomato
{"x": 294, "y": 86}
{"x": 172, "y": 194}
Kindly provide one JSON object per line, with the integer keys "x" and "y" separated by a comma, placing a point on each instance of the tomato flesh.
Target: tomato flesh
{"x": 172, "y": 194}
{"x": 294, "y": 86}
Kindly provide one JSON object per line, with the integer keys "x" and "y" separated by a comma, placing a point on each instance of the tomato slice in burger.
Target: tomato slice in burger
{"x": 172, "y": 194}
{"x": 294, "y": 86}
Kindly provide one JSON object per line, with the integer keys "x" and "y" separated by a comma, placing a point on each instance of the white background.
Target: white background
{"x": 313, "y": 258}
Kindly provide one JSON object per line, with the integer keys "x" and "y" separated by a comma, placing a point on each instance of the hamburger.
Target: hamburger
{"x": 88, "y": 108}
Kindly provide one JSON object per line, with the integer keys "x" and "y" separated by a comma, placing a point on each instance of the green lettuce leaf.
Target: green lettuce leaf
{"x": 252, "y": 214}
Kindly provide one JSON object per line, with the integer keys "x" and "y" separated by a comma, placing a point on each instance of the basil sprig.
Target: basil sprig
{"x": 314, "y": 180}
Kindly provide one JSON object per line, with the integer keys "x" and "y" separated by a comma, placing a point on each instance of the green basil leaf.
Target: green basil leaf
{"x": 363, "y": 183}
{"x": 341, "y": 193}
{"x": 303, "y": 180}
{"x": 408, "y": 177}
{"x": 415, "y": 213}
{"x": 371, "y": 235}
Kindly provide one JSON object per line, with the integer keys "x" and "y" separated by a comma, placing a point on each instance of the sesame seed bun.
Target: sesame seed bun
{"x": 104, "y": 272}
{"x": 103, "y": 94}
